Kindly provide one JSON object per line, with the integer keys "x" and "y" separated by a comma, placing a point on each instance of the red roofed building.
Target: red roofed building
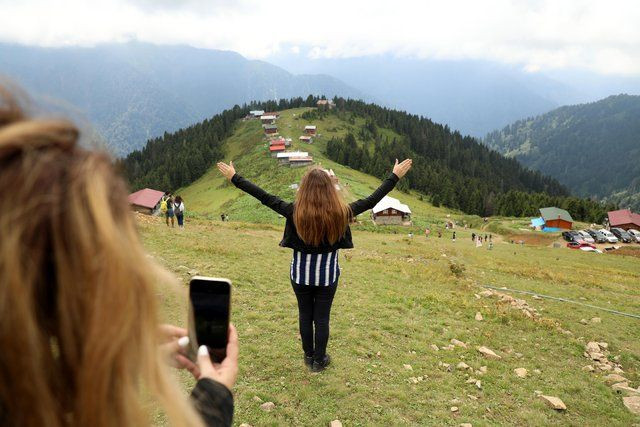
{"x": 278, "y": 141}
{"x": 145, "y": 201}
{"x": 624, "y": 219}
{"x": 275, "y": 149}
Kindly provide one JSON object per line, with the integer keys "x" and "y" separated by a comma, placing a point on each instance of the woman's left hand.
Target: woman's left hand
{"x": 173, "y": 343}
{"x": 227, "y": 169}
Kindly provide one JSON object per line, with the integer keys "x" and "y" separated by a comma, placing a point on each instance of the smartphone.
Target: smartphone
{"x": 209, "y": 311}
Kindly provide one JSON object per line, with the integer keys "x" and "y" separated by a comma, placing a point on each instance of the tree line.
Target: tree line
{"x": 455, "y": 171}
{"x": 177, "y": 159}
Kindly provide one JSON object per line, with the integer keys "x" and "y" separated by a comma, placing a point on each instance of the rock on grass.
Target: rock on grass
{"x": 268, "y": 406}
{"x": 520, "y": 372}
{"x": 488, "y": 353}
{"x": 554, "y": 402}
{"x": 335, "y": 423}
{"x": 632, "y": 403}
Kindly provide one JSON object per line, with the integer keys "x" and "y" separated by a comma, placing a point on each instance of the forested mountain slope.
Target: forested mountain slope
{"x": 136, "y": 91}
{"x": 594, "y": 149}
{"x": 453, "y": 171}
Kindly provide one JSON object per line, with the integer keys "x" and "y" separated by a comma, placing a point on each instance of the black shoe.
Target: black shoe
{"x": 321, "y": 365}
{"x": 308, "y": 360}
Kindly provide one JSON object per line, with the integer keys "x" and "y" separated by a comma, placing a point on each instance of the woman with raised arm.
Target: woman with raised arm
{"x": 79, "y": 335}
{"x": 317, "y": 226}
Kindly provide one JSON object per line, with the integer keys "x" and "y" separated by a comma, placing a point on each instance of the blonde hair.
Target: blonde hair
{"x": 78, "y": 325}
{"x": 320, "y": 214}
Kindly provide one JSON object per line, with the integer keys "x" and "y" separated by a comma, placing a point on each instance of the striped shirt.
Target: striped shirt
{"x": 315, "y": 269}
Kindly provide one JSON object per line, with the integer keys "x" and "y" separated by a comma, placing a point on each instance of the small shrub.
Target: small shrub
{"x": 457, "y": 269}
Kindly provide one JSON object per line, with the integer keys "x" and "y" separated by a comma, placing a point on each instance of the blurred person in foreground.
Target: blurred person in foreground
{"x": 79, "y": 328}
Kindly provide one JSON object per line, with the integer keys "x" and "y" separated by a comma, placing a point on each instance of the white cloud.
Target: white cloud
{"x": 536, "y": 34}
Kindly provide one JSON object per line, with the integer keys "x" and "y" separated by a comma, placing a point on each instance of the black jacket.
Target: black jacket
{"x": 214, "y": 402}
{"x": 291, "y": 238}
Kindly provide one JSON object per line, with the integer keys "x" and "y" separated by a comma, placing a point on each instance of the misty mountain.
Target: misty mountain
{"x": 594, "y": 148}
{"x": 474, "y": 97}
{"x": 136, "y": 91}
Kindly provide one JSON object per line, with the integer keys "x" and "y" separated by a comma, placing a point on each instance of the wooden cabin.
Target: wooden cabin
{"x": 389, "y": 211}
{"x": 296, "y": 162}
{"x": 278, "y": 141}
{"x": 556, "y": 218}
{"x": 275, "y": 149}
{"x": 310, "y": 130}
{"x": 256, "y": 113}
{"x": 306, "y": 138}
{"x": 283, "y": 157}
{"x": 268, "y": 119}
{"x": 325, "y": 104}
{"x": 145, "y": 201}
{"x": 270, "y": 129}
{"x": 624, "y": 219}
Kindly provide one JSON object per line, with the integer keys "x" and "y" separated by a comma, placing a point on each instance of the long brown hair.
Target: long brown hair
{"x": 320, "y": 214}
{"x": 78, "y": 324}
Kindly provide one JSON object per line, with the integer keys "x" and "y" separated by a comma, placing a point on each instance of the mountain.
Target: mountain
{"x": 136, "y": 91}
{"x": 450, "y": 170}
{"x": 474, "y": 97}
{"x": 594, "y": 148}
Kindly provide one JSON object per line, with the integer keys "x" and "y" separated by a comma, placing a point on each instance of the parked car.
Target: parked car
{"x": 580, "y": 245}
{"x": 609, "y": 235}
{"x": 586, "y": 237}
{"x": 572, "y": 236}
{"x": 597, "y": 235}
{"x": 634, "y": 233}
{"x": 622, "y": 235}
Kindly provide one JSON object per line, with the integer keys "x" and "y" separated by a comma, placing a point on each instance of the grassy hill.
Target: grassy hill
{"x": 398, "y": 299}
{"x": 211, "y": 194}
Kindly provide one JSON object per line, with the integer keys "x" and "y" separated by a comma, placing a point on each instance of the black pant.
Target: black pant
{"x": 314, "y": 308}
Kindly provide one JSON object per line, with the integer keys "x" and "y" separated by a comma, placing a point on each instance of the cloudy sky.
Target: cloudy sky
{"x": 602, "y": 36}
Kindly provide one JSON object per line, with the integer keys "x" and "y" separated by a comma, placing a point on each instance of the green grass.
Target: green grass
{"x": 212, "y": 195}
{"x": 397, "y": 296}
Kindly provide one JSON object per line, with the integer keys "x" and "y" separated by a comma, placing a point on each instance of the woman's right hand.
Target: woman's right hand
{"x": 227, "y": 169}
{"x": 225, "y": 372}
{"x": 401, "y": 169}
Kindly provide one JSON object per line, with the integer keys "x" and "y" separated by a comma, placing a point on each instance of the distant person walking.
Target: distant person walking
{"x": 169, "y": 215}
{"x": 473, "y": 237}
{"x": 178, "y": 207}
{"x": 454, "y": 237}
{"x": 316, "y": 228}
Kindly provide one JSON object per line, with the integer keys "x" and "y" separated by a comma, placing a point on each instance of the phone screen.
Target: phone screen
{"x": 210, "y": 301}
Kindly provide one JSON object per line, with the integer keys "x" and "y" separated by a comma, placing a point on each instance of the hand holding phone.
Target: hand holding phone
{"x": 209, "y": 311}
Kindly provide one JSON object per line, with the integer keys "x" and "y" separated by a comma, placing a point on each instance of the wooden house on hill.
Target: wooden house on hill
{"x": 310, "y": 130}
{"x": 256, "y": 113}
{"x": 283, "y": 157}
{"x": 624, "y": 219}
{"x": 270, "y": 129}
{"x": 296, "y": 162}
{"x": 275, "y": 149}
{"x": 306, "y": 138}
{"x": 272, "y": 113}
{"x": 278, "y": 141}
{"x": 146, "y": 201}
{"x": 325, "y": 104}
{"x": 390, "y": 211}
{"x": 556, "y": 218}
{"x": 268, "y": 119}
